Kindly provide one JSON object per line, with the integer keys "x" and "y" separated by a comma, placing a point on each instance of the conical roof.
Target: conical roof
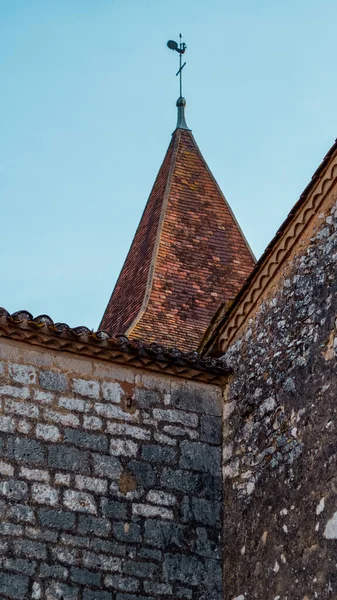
{"x": 188, "y": 254}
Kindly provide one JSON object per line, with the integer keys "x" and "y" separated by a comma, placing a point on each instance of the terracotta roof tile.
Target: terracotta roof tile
{"x": 42, "y": 331}
{"x": 188, "y": 254}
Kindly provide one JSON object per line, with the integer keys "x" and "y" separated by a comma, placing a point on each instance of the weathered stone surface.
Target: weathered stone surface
{"x": 75, "y": 540}
{"x": 94, "y": 423}
{"x": 147, "y": 510}
{"x": 10, "y": 529}
{"x": 85, "y": 577}
{"x": 25, "y": 450}
{"x": 140, "y": 569}
{"x": 7, "y": 424}
{"x": 150, "y": 553}
{"x": 181, "y": 432}
{"x": 57, "y": 519}
{"x": 280, "y": 424}
{"x": 102, "y": 562}
{"x": 107, "y": 466}
{"x": 118, "y": 582}
{"x": 195, "y": 572}
{"x": 143, "y": 472}
{"x": 113, "y": 509}
{"x": 62, "y": 418}
{"x": 53, "y": 381}
{"x": 162, "y": 498}
{"x": 158, "y": 454}
{"x": 112, "y": 391}
{"x": 127, "y": 532}
{"x": 50, "y": 433}
{"x": 74, "y": 404}
{"x": 147, "y": 398}
{"x": 176, "y": 416}
{"x": 72, "y": 459}
{"x": 91, "y": 595}
{"x": 26, "y": 409}
{"x": 66, "y": 555}
{"x": 200, "y": 457}
{"x": 13, "y": 586}
{"x": 121, "y": 429}
{"x": 166, "y": 535}
{"x": 21, "y": 513}
{"x": 86, "y": 440}
{"x": 208, "y": 543}
{"x": 61, "y": 591}
{"x": 184, "y": 593}
{"x": 6, "y": 469}
{"x": 14, "y": 392}
{"x": 182, "y": 481}
{"x": 210, "y": 486}
{"x": 44, "y": 494}
{"x": 46, "y": 535}
{"x": 91, "y": 496}
{"x": 30, "y": 549}
{"x": 53, "y": 571}
{"x": 24, "y": 426}
{"x": 158, "y": 589}
{"x": 91, "y": 483}
{"x": 93, "y": 526}
{"x": 210, "y": 429}
{"x": 206, "y": 512}
{"x": 196, "y": 399}
{"x": 120, "y": 447}
{"x": 121, "y": 596}
{"x": 112, "y": 548}
{"x": 90, "y": 389}
{"x": 14, "y": 490}
{"x": 42, "y": 397}
{"x": 36, "y": 591}
{"x": 25, "y": 374}
{"x": 80, "y": 502}
{"x": 34, "y": 474}
{"x": 186, "y": 569}
{"x": 62, "y": 479}
{"x": 111, "y": 411}
{"x": 20, "y": 565}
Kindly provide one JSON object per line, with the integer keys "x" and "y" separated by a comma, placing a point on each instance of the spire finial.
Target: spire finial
{"x": 181, "y": 102}
{"x": 181, "y": 49}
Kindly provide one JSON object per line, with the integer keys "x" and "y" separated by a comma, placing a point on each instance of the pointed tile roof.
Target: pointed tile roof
{"x": 187, "y": 257}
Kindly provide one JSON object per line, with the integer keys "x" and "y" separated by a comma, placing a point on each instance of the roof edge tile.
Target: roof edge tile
{"x": 43, "y": 331}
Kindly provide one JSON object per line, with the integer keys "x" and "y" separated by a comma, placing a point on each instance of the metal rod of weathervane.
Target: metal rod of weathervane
{"x": 181, "y": 49}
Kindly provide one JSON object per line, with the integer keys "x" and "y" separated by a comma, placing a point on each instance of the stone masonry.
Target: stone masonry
{"x": 280, "y": 459}
{"x": 110, "y": 481}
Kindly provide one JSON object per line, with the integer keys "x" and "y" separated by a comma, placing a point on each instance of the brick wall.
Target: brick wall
{"x": 110, "y": 481}
{"x": 280, "y": 460}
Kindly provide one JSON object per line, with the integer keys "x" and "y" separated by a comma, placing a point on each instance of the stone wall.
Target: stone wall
{"x": 110, "y": 481}
{"x": 280, "y": 450}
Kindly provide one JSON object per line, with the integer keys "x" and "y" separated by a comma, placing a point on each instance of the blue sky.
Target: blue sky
{"x": 87, "y": 100}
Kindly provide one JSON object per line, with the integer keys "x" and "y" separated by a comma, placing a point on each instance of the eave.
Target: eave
{"x": 42, "y": 331}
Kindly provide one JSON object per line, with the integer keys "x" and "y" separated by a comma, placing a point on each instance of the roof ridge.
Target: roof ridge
{"x": 176, "y": 141}
{"x": 140, "y": 246}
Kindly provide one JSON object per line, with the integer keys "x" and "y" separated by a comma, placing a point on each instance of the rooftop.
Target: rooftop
{"x": 42, "y": 331}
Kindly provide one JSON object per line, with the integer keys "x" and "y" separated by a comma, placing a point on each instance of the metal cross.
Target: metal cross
{"x": 181, "y": 49}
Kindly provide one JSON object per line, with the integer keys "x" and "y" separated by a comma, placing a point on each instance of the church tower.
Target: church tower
{"x": 187, "y": 257}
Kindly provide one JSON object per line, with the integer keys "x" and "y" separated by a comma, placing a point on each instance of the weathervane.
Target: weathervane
{"x": 181, "y": 49}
